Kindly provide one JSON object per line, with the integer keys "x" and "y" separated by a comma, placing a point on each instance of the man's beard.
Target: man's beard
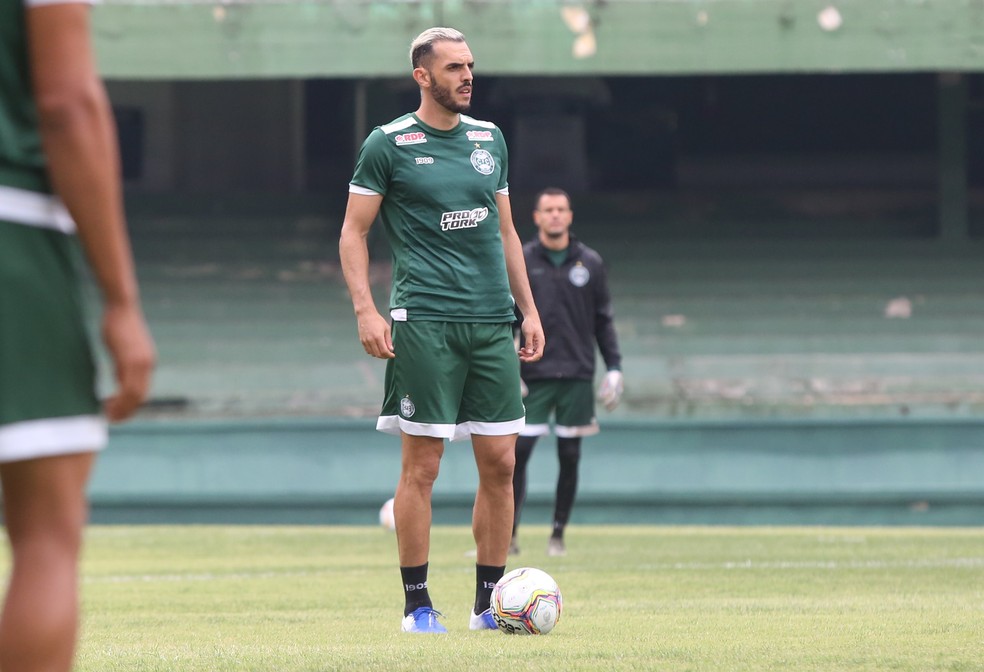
{"x": 442, "y": 96}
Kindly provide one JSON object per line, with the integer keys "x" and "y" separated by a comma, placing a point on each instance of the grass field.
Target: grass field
{"x": 291, "y": 599}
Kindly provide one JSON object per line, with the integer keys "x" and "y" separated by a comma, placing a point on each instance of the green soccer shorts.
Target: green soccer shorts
{"x": 571, "y": 402}
{"x": 451, "y": 380}
{"x": 48, "y": 403}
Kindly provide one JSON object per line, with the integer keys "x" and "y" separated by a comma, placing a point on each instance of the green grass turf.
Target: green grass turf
{"x": 289, "y": 599}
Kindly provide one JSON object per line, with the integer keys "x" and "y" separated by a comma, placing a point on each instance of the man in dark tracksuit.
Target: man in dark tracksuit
{"x": 570, "y": 288}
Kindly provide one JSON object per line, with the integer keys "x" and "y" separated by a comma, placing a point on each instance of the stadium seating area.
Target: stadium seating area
{"x": 252, "y": 317}
{"x": 773, "y": 376}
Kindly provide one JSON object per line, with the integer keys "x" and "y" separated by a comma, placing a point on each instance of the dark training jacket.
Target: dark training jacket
{"x": 575, "y": 310}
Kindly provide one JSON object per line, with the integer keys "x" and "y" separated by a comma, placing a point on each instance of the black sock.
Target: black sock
{"x": 486, "y": 577}
{"x": 415, "y": 588}
{"x": 524, "y": 448}
{"x": 569, "y": 455}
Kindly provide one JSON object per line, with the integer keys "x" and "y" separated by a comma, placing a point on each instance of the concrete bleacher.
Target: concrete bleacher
{"x": 740, "y": 349}
{"x": 253, "y": 319}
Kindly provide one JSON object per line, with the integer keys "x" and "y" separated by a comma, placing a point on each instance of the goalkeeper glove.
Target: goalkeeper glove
{"x": 610, "y": 390}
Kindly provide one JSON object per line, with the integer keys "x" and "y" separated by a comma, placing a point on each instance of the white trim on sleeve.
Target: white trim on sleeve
{"x": 362, "y": 191}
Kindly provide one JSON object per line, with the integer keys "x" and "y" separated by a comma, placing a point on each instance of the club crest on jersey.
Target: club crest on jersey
{"x": 579, "y": 276}
{"x": 407, "y": 409}
{"x": 483, "y": 162}
{"x": 463, "y": 219}
{"x": 479, "y": 136}
{"x": 414, "y": 138}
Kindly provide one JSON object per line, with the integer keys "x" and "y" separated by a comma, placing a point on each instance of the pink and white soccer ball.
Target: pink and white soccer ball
{"x": 386, "y": 518}
{"x": 526, "y": 601}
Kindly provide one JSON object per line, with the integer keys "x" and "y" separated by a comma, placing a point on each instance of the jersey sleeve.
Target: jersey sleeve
{"x": 605, "y": 318}
{"x": 503, "y": 186}
{"x": 374, "y": 166}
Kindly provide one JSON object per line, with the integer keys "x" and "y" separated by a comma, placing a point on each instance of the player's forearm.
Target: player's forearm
{"x": 83, "y": 162}
{"x": 353, "y": 252}
{"x": 519, "y": 283}
{"x": 524, "y": 298}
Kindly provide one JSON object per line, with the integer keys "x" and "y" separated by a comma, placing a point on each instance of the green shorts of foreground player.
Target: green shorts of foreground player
{"x": 451, "y": 380}
{"x": 570, "y": 402}
{"x": 48, "y": 403}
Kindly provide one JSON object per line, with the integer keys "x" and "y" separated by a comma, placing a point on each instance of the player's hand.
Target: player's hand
{"x": 610, "y": 390}
{"x": 132, "y": 351}
{"x": 533, "y": 340}
{"x": 375, "y": 335}
{"x": 524, "y": 391}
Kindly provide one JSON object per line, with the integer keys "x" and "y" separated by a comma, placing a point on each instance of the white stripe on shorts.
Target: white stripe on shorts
{"x": 39, "y": 3}
{"x": 466, "y": 429}
{"x": 539, "y": 429}
{"x": 34, "y": 209}
{"x": 48, "y": 437}
{"x": 563, "y": 431}
{"x": 566, "y": 432}
{"x": 394, "y": 424}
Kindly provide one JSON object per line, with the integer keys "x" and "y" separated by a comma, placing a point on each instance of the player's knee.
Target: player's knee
{"x": 421, "y": 474}
{"x": 498, "y": 470}
{"x": 46, "y": 546}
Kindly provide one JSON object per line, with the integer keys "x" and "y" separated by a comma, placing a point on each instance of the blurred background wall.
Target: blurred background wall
{"x": 789, "y": 195}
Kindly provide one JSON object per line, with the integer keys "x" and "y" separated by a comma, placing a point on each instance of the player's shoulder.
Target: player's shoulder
{"x": 477, "y": 123}
{"x": 403, "y": 130}
{"x": 477, "y": 129}
{"x": 393, "y": 131}
{"x": 400, "y": 124}
{"x": 589, "y": 254}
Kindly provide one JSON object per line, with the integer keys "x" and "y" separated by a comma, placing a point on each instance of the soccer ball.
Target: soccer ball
{"x": 526, "y": 601}
{"x": 386, "y": 518}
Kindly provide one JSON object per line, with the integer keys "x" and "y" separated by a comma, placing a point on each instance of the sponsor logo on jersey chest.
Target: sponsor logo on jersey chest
{"x": 414, "y": 138}
{"x": 463, "y": 219}
{"x": 479, "y": 136}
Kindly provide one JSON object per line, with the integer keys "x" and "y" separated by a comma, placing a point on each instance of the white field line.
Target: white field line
{"x": 204, "y": 576}
{"x": 940, "y": 563}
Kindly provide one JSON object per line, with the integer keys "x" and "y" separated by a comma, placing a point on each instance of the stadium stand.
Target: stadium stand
{"x": 773, "y": 380}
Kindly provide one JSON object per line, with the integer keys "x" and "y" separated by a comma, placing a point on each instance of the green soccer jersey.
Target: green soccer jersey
{"x": 440, "y": 216}
{"x": 25, "y": 195}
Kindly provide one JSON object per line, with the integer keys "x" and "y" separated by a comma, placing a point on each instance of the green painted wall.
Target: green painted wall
{"x": 341, "y": 471}
{"x": 349, "y": 38}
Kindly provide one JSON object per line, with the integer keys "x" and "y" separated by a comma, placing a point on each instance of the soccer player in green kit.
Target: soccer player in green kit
{"x": 59, "y": 176}
{"x": 437, "y": 178}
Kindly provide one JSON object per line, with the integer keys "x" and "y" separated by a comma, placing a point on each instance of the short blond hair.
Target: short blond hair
{"x": 423, "y": 44}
